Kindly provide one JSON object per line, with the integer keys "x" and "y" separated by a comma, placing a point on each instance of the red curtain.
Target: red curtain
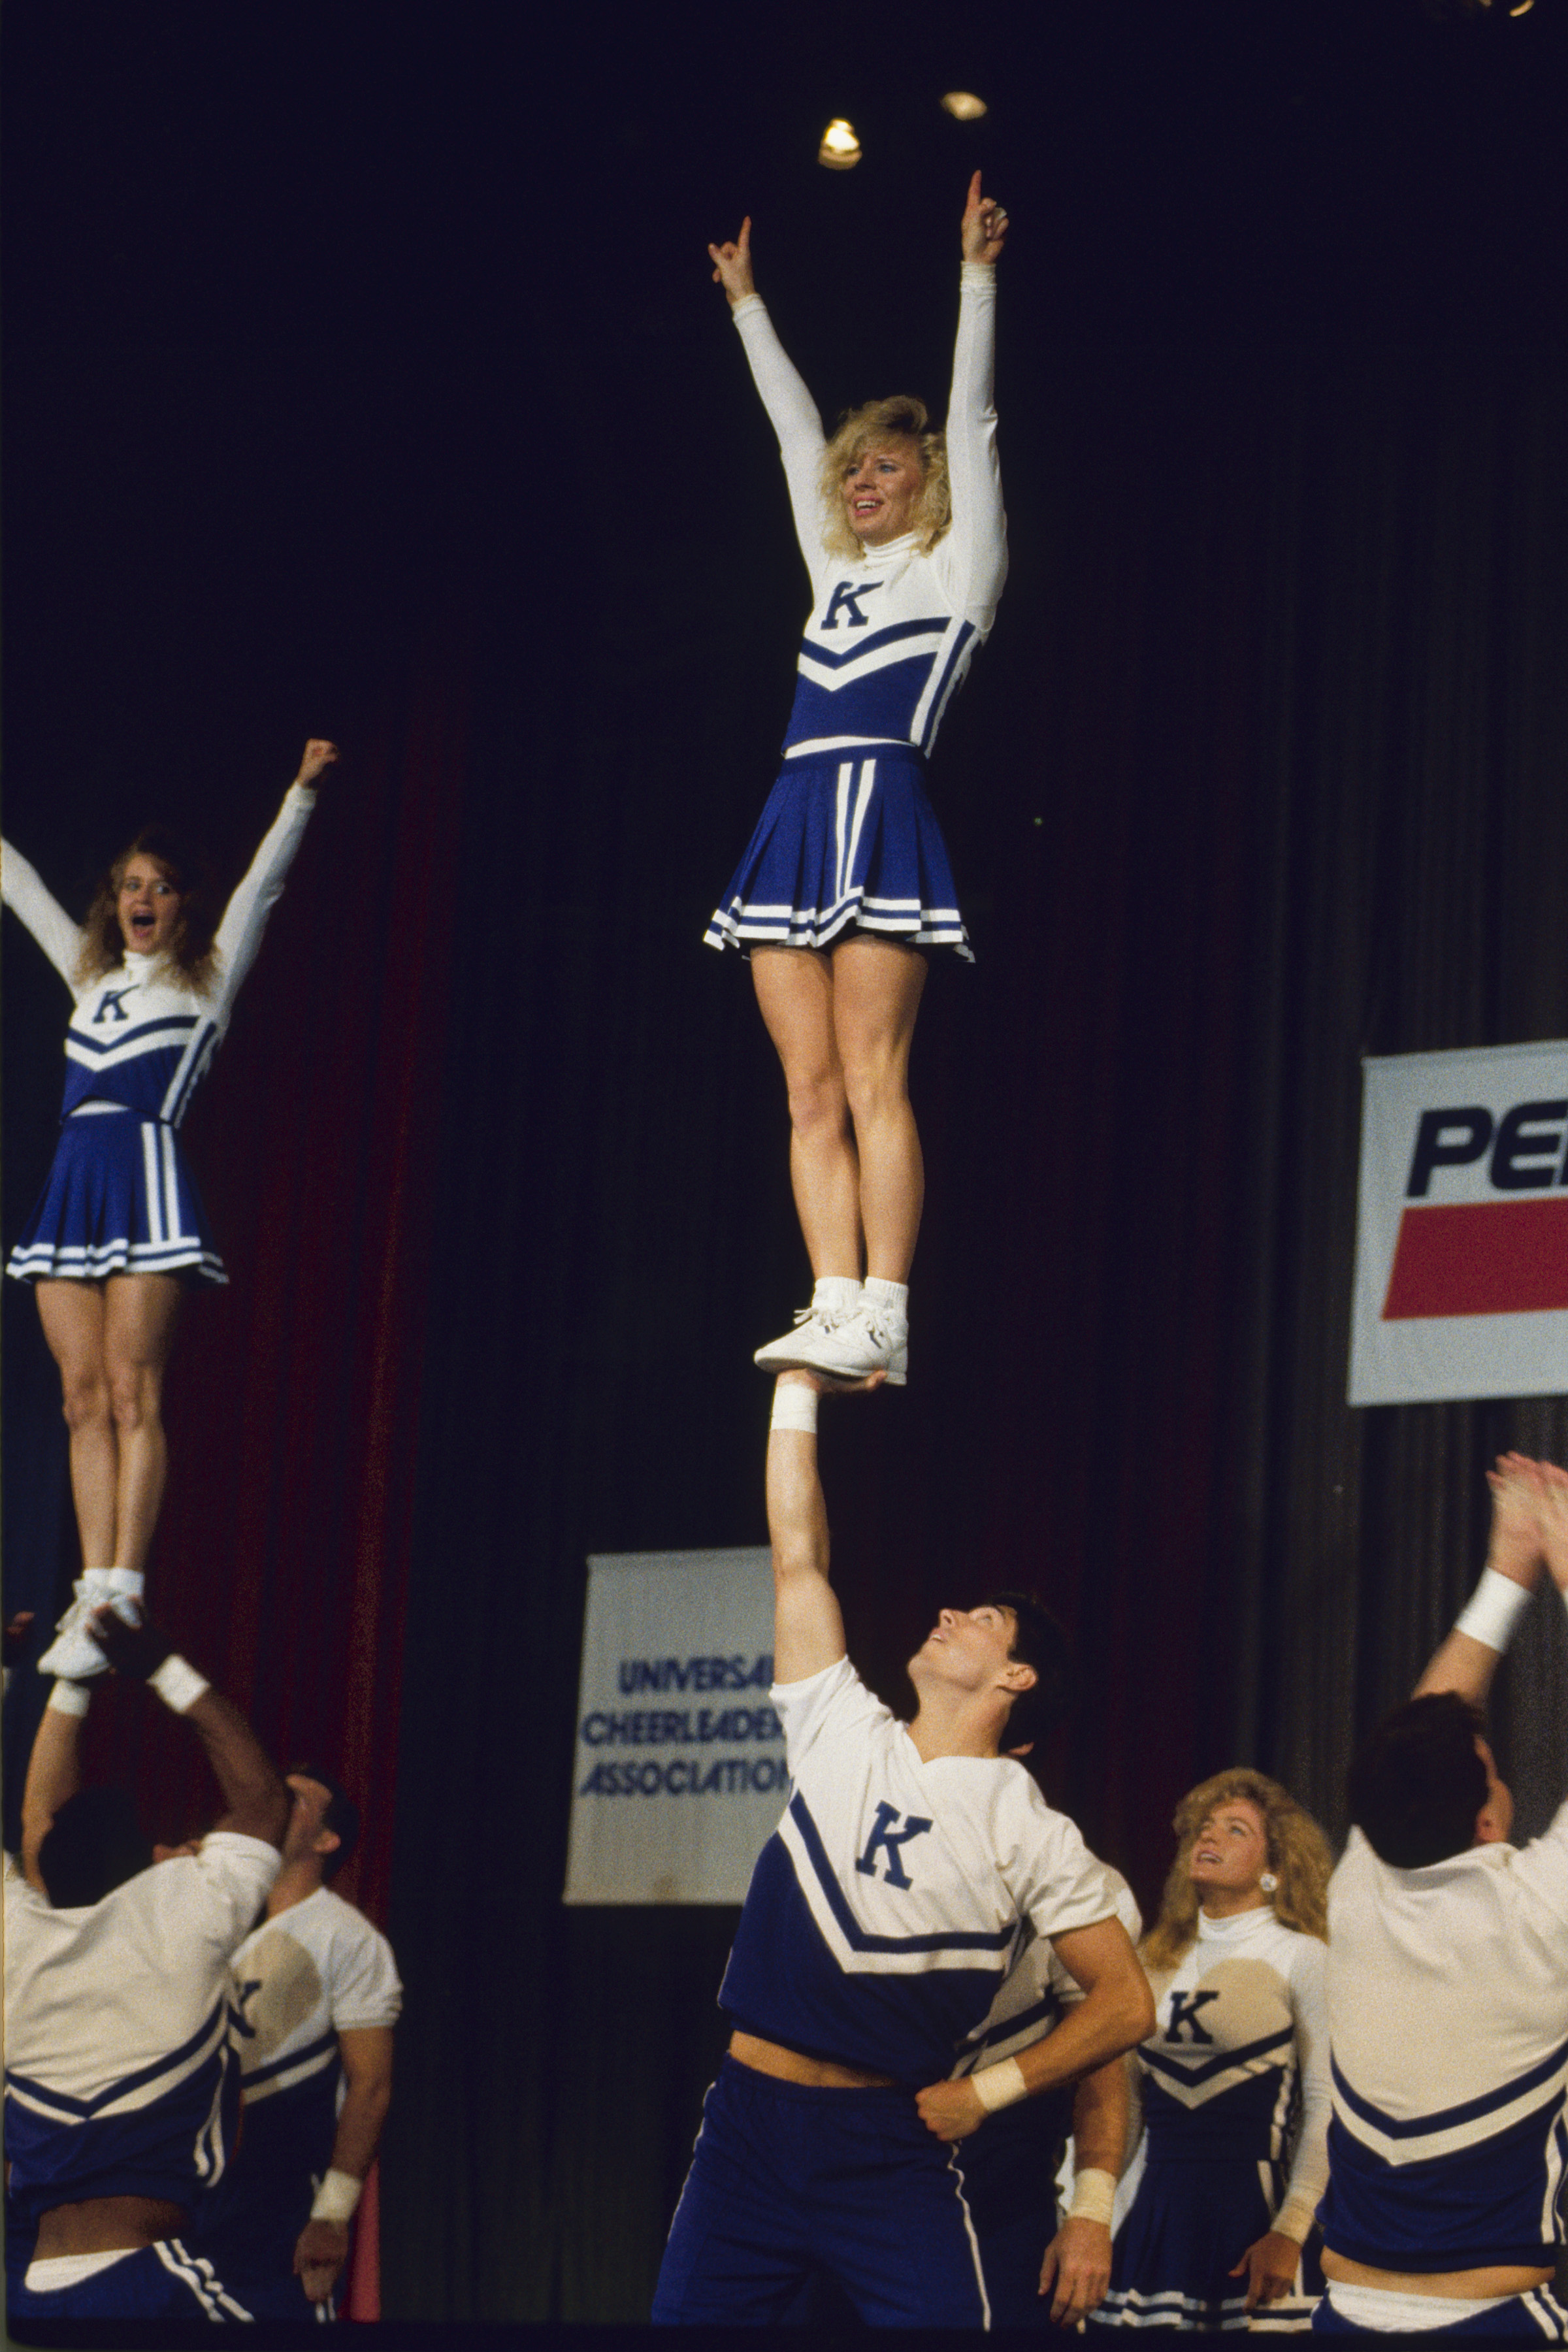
{"x": 281, "y": 1561}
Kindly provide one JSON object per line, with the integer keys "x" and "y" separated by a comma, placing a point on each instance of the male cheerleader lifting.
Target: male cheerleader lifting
{"x": 1448, "y": 1994}
{"x": 119, "y": 2086}
{"x": 881, "y": 1918}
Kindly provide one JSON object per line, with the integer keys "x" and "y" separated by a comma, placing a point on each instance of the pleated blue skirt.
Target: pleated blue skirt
{"x": 120, "y": 1199}
{"x": 847, "y": 842}
{"x": 1172, "y": 2261}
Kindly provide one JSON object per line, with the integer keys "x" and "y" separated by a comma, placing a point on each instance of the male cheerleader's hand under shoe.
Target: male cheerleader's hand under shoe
{"x": 820, "y": 1383}
{"x": 134, "y": 1651}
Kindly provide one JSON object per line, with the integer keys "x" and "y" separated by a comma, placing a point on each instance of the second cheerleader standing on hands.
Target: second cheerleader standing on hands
{"x": 846, "y": 880}
{"x": 120, "y": 1225}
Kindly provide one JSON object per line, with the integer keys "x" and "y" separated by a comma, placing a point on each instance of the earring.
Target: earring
{"x": 1267, "y": 1883}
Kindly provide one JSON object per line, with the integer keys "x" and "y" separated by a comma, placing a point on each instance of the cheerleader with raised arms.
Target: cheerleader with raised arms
{"x": 120, "y": 1227}
{"x": 846, "y": 882}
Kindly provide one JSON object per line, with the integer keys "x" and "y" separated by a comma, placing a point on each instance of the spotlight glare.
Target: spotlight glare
{"x": 964, "y": 106}
{"x": 1521, "y": 8}
{"x": 840, "y": 150}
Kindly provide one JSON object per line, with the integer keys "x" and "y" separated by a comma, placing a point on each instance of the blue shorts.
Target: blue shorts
{"x": 249, "y": 2236}
{"x": 162, "y": 2281}
{"x": 787, "y": 2180}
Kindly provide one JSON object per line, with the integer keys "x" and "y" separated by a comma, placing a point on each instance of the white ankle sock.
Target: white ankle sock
{"x": 841, "y": 1292}
{"x": 893, "y": 1295}
{"x": 127, "y": 1580}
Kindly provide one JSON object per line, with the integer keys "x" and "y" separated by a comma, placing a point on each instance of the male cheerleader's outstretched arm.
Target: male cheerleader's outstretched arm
{"x": 54, "y": 1772}
{"x": 253, "y": 1792}
{"x": 1467, "y": 1659}
{"x": 1116, "y": 2012}
{"x": 808, "y": 1628}
{"x": 1076, "y": 2271}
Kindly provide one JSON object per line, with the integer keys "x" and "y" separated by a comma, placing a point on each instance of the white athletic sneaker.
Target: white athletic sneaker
{"x": 872, "y": 1339}
{"x": 73, "y": 1655}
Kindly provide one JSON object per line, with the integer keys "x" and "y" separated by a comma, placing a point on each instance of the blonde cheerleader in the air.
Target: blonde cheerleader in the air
{"x": 845, "y": 884}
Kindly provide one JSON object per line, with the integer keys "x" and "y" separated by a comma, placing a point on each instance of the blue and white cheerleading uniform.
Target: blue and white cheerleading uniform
{"x": 1234, "y": 2075}
{"x": 1011, "y": 2162}
{"x": 848, "y": 838}
{"x": 316, "y": 1970}
{"x": 120, "y": 2079}
{"x": 121, "y": 1198}
{"x": 883, "y": 1916}
{"x": 1447, "y": 1992}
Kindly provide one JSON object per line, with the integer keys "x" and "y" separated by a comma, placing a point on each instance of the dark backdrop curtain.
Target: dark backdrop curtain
{"x": 1260, "y": 772}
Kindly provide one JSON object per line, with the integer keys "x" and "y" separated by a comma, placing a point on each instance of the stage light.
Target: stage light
{"x": 840, "y": 150}
{"x": 964, "y": 106}
{"x": 1521, "y": 8}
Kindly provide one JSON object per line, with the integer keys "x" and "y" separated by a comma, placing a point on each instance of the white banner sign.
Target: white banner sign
{"x": 1461, "y": 1282}
{"x": 679, "y": 1777}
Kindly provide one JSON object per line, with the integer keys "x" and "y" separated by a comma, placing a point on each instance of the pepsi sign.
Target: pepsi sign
{"x": 1461, "y": 1285}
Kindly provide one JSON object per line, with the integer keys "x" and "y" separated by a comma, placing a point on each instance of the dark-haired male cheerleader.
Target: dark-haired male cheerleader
{"x": 120, "y": 2088}
{"x": 881, "y": 1918}
{"x": 316, "y": 1997}
{"x": 1448, "y": 1994}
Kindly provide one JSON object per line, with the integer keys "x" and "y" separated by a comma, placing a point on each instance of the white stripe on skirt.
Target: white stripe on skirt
{"x": 150, "y": 1174}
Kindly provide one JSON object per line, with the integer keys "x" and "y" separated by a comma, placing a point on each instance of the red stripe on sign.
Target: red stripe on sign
{"x": 1481, "y": 1258}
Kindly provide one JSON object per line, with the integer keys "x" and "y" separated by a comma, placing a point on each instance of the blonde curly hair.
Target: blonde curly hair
{"x": 1298, "y": 1856}
{"x": 876, "y": 422}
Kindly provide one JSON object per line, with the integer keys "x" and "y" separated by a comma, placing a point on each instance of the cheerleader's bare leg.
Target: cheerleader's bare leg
{"x": 869, "y": 991}
{"x": 794, "y": 988}
{"x": 140, "y": 1314}
{"x": 72, "y": 1315}
{"x": 876, "y": 990}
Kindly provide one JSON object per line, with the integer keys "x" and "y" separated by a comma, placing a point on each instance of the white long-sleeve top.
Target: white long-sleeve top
{"x": 141, "y": 1036}
{"x": 1240, "y": 2044}
{"x": 891, "y": 630}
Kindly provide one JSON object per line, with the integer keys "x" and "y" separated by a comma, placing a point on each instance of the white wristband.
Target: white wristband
{"x": 1093, "y": 2195}
{"x": 68, "y": 1698}
{"x": 177, "y": 1683}
{"x": 794, "y": 1407}
{"x": 336, "y": 2198}
{"x": 1000, "y": 2086}
{"x": 1493, "y": 1610}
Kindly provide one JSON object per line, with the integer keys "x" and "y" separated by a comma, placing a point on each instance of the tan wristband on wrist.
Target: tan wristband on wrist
{"x": 1093, "y": 2195}
{"x": 1000, "y": 2086}
{"x": 336, "y": 2198}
